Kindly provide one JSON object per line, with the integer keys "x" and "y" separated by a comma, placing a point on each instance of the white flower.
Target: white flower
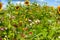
{"x": 6, "y": 36}
{"x": 31, "y": 23}
{"x": 30, "y": 20}
{"x": 37, "y": 21}
{"x": 58, "y": 36}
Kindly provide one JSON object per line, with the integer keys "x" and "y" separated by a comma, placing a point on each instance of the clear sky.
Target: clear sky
{"x": 49, "y": 2}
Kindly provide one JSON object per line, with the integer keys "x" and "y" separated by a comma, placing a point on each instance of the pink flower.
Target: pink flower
{"x": 30, "y": 33}
{"x": 0, "y": 38}
{"x": 2, "y": 29}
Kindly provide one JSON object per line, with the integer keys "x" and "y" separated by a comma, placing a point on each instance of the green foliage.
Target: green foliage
{"x": 33, "y": 22}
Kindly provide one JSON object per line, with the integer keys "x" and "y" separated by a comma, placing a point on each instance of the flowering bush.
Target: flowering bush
{"x": 29, "y": 22}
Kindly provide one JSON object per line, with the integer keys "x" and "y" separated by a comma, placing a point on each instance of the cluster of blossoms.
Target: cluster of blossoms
{"x": 29, "y": 22}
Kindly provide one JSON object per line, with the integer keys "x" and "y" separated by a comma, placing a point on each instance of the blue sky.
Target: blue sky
{"x": 49, "y": 2}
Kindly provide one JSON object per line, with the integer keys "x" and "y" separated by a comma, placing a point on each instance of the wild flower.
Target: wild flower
{"x": 59, "y": 9}
{"x": 0, "y": 6}
{"x": 27, "y": 3}
{"x": 17, "y": 7}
